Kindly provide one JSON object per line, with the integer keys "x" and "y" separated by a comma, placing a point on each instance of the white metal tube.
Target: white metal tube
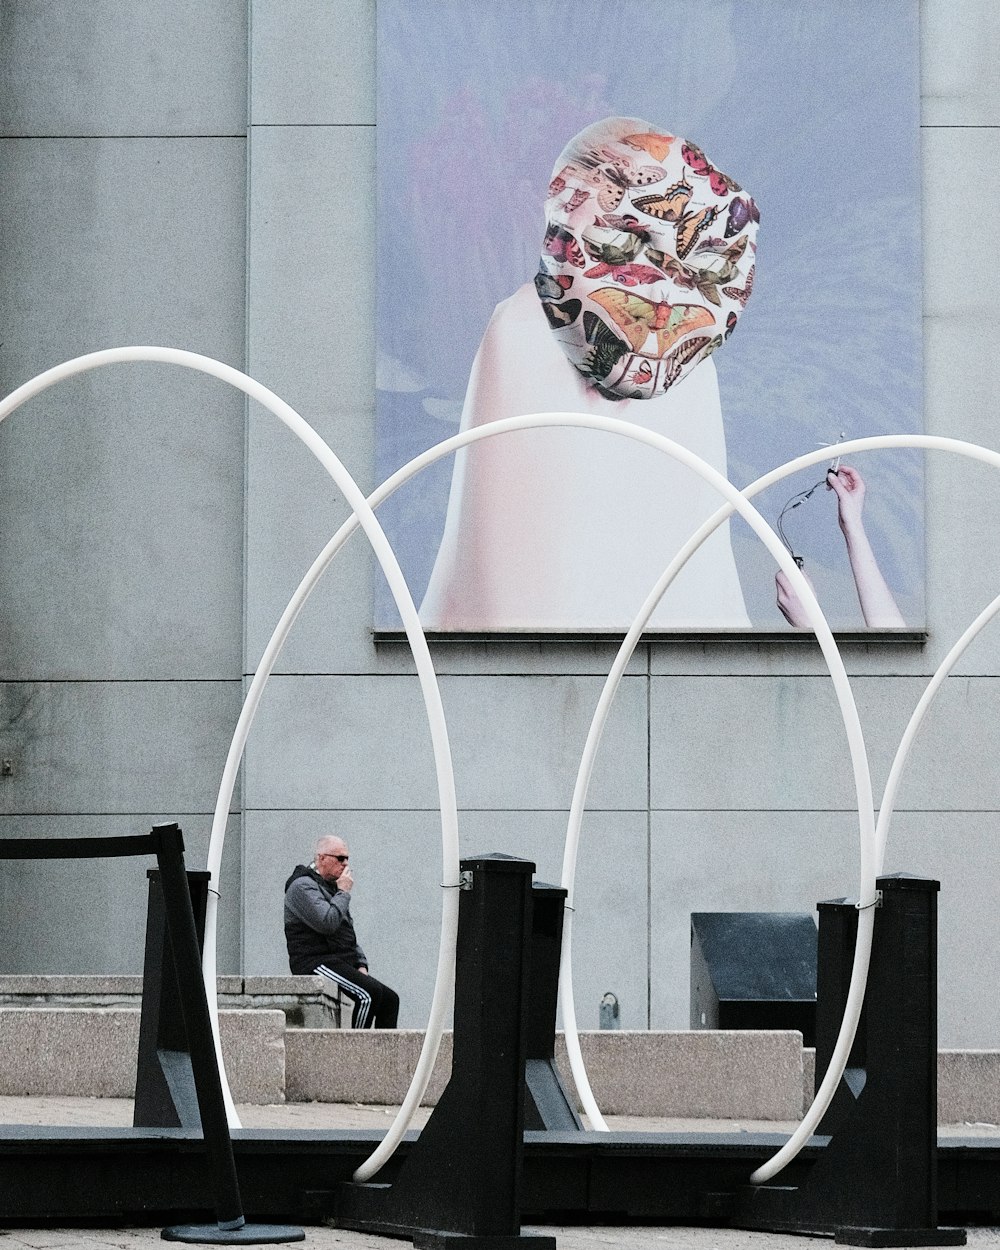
{"x": 888, "y": 806}
{"x": 387, "y": 559}
{"x": 866, "y": 920}
{"x": 493, "y": 429}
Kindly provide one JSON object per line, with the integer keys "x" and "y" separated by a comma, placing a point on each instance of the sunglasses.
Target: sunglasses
{"x": 343, "y": 858}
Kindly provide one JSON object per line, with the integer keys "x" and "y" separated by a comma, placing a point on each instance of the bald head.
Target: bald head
{"x": 331, "y": 857}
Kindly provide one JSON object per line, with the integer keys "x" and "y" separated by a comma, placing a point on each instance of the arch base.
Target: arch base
{"x": 875, "y": 1182}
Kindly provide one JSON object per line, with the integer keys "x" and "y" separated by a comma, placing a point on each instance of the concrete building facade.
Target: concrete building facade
{"x": 200, "y": 174}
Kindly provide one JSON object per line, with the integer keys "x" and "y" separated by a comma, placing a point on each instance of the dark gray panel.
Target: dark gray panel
{"x": 115, "y": 747}
{"x": 121, "y": 490}
{"x": 107, "y": 68}
{"x": 312, "y": 62}
{"x": 363, "y": 742}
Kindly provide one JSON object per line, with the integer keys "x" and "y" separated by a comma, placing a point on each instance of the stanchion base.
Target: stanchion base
{"x": 248, "y": 1235}
{"x": 463, "y": 1241}
{"x": 847, "y": 1236}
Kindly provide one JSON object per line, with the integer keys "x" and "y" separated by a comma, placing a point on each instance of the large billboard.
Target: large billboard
{"x": 700, "y": 217}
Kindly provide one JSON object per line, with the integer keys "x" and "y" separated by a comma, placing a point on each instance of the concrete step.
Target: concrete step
{"x": 91, "y": 1052}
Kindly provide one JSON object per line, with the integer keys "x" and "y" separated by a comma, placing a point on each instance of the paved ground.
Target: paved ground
{"x": 118, "y": 1111}
{"x": 566, "y": 1238}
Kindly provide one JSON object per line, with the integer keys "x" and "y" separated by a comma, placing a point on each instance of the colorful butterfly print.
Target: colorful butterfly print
{"x": 552, "y": 287}
{"x": 638, "y": 317}
{"x": 612, "y": 175}
{"x": 729, "y": 253}
{"x": 562, "y": 315}
{"x": 627, "y": 224}
{"x": 673, "y": 365}
{"x": 558, "y": 184}
{"x": 720, "y": 183}
{"x": 668, "y": 205}
{"x": 627, "y": 275}
{"x": 741, "y": 212}
{"x": 606, "y": 347}
{"x": 656, "y": 145}
{"x": 731, "y": 321}
{"x": 643, "y": 375}
{"x": 743, "y": 295}
{"x": 560, "y": 244}
{"x": 690, "y": 226}
{"x": 625, "y": 247}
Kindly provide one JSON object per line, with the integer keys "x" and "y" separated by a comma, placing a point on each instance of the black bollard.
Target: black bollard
{"x": 460, "y": 1184}
{"x": 547, "y": 1104}
{"x": 875, "y": 1182}
{"x": 165, "y": 1095}
{"x": 231, "y": 1227}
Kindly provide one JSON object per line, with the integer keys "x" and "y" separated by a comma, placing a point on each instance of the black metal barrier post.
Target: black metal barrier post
{"x": 547, "y": 1105}
{"x": 460, "y": 1184}
{"x": 165, "y": 1093}
{"x": 875, "y": 1182}
{"x": 166, "y": 842}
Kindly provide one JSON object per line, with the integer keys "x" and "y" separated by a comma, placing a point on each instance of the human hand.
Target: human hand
{"x": 346, "y": 880}
{"x": 849, "y": 487}
{"x": 789, "y": 604}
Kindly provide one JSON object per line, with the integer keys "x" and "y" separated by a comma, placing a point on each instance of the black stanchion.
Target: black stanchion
{"x": 547, "y": 1104}
{"x": 460, "y": 1184}
{"x": 875, "y": 1182}
{"x": 231, "y": 1227}
{"x": 165, "y": 1095}
{"x": 196, "y": 1060}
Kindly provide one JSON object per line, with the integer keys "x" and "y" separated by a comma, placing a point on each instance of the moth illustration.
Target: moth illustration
{"x": 638, "y": 318}
{"x": 656, "y": 145}
{"x": 606, "y": 348}
{"x": 561, "y": 245}
{"x": 741, "y": 212}
{"x": 699, "y": 163}
{"x": 552, "y": 287}
{"x": 731, "y": 321}
{"x": 734, "y": 292}
{"x": 627, "y": 275}
{"x": 561, "y": 315}
{"x": 643, "y": 375}
{"x": 626, "y": 247}
{"x": 668, "y": 205}
{"x": 674, "y": 364}
{"x": 611, "y": 175}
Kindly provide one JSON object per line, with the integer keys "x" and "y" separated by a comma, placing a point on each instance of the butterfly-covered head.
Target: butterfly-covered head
{"x": 648, "y": 256}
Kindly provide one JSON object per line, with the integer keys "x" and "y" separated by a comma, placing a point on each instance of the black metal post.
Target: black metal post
{"x": 547, "y": 1104}
{"x": 165, "y": 1094}
{"x": 183, "y": 940}
{"x": 875, "y": 1182}
{"x": 460, "y": 1185}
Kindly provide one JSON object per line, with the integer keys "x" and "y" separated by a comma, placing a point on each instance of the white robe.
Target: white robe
{"x": 567, "y": 530}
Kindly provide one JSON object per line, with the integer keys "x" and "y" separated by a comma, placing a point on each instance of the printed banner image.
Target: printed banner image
{"x": 718, "y": 241}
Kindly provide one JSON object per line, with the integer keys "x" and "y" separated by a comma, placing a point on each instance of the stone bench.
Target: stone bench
{"x": 307, "y": 1002}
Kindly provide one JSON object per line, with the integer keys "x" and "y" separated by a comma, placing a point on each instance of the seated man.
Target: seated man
{"x": 321, "y": 937}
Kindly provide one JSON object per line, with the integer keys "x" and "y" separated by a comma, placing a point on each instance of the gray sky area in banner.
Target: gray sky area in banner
{"x": 813, "y": 108}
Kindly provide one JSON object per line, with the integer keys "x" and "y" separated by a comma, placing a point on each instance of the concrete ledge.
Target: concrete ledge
{"x": 968, "y": 1087}
{"x": 92, "y": 1052}
{"x": 726, "y": 1074}
{"x": 363, "y": 1065}
{"x": 751, "y": 1075}
{"x": 306, "y": 1001}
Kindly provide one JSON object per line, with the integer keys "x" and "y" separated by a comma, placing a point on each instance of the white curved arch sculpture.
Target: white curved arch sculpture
{"x": 449, "y": 934}
{"x": 362, "y": 515}
{"x": 862, "y": 954}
